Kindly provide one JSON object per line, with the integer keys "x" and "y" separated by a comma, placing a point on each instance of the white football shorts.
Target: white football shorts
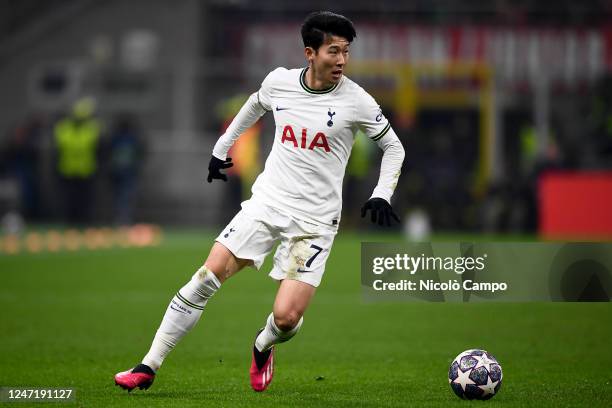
{"x": 303, "y": 249}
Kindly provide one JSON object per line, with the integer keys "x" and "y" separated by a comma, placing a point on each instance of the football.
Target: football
{"x": 475, "y": 374}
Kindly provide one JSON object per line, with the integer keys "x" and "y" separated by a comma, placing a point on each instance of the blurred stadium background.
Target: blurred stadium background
{"x": 504, "y": 107}
{"x": 505, "y": 110}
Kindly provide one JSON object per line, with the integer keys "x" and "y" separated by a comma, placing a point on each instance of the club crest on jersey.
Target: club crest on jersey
{"x": 319, "y": 140}
{"x": 331, "y": 114}
{"x": 230, "y": 231}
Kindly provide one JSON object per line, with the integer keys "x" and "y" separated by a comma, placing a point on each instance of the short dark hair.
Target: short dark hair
{"x": 319, "y": 24}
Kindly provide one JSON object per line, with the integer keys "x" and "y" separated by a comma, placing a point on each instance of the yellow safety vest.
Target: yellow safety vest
{"x": 76, "y": 144}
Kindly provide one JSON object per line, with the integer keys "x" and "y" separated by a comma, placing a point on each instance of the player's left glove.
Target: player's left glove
{"x": 215, "y": 166}
{"x": 381, "y": 211}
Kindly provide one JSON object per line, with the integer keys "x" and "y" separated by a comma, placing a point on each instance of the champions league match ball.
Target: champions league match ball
{"x": 475, "y": 374}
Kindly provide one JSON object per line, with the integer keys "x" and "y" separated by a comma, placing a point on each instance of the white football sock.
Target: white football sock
{"x": 272, "y": 335}
{"x": 182, "y": 314}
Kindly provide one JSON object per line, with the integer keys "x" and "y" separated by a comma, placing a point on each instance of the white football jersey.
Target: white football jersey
{"x": 312, "y": 143}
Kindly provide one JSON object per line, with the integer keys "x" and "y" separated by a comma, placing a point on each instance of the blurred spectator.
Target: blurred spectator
{"x": 600, "y": 118}
{"x": 126, "y": 152}
{"x": 22, "y": 157}
{"x": 77, "y": 138}
{"x": 511, "y": 203}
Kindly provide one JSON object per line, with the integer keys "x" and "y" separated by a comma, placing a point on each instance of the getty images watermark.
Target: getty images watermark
{"x": 466, "y": 272}
{"x": 413, "y": 264}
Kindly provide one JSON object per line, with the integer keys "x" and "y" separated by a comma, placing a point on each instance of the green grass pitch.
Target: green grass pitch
{"x": 75, "y": 319}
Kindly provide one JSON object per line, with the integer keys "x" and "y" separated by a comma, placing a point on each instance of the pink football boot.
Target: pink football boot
{"x": 141, "y": 376}
{"x": 262, "y": 368}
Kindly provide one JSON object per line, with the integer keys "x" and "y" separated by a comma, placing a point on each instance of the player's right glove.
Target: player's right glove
{"x": 215, "y": 166}
{"x": 381, "y": 211}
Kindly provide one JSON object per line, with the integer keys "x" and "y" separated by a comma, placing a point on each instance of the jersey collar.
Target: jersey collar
{"x": 314, "y": 91}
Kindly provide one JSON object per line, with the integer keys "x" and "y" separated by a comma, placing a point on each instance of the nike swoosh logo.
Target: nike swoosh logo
{"x": 178, "y": 310}
{"x": 302, "y": 270}
{"x": 280, "y": 109}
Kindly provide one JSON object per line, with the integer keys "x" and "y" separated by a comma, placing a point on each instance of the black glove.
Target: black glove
{"x": 217, "y": 164}
{"x": 381, "y": 211}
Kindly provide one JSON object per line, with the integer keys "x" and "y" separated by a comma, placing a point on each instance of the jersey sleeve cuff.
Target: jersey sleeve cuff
{"x": 384, "y": 193}
{"x": 219, "y": 154}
